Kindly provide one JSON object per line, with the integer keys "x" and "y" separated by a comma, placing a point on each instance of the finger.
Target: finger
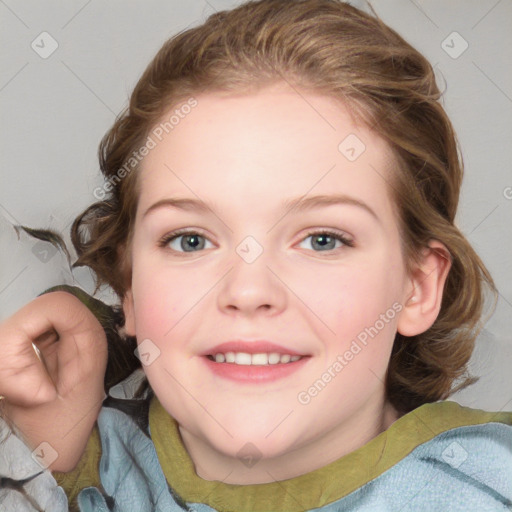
{"x": 29, "y": 368}
{"x": 78, "y": 331}
{"x": 71, "y": 341}
{"x": 50, "y": 365}
{"x": 46, "y": 348}
{"x": 81, "y": 349}
{"x": 82, "y": 345}
{"x": 24, "y": 380}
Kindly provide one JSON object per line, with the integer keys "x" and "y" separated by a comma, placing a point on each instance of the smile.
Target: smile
{"x": 261, "y": 359}
{"x": 259, "y": 368}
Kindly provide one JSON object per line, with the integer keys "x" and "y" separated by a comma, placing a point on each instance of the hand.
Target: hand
{"x": 54, "y": 393}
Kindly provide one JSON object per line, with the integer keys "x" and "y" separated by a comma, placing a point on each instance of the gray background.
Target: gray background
{"x": 55, "y": 110}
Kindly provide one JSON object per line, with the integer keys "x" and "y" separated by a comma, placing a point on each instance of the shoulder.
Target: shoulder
{"x": 86, "y": 473}
{"x": 129, "y": 469}
{"x": 440, "y": 456}
{"x": 447, "y": 419}
{"x": 448, "y": 414}
{"x": 120, "y": 466}
{"x": 458, "y": 454}
{"x": 121, "y": 428}
{"x": 479, "y": 430}
{"x": 472, "y": 438}
{"x": 467, "y": 441}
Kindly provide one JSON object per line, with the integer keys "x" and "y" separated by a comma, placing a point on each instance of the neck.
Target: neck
{"x": 360, "y": 428}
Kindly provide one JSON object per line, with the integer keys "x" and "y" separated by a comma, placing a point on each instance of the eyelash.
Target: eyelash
{"x": 164, "y": 241}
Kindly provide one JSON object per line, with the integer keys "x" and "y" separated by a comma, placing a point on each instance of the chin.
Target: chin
{"x": 264, "y": 436}
{"x": 251, "y": 448}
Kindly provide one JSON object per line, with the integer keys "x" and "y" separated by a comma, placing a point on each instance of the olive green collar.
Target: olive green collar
{"x": 324, "y": 485}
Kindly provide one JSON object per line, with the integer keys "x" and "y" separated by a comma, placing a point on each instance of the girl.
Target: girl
{"x": 278, "y": 223}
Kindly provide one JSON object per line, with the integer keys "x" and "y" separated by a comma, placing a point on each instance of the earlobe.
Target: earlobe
{"x": 425, "y": 294}
{"x": 129, "y": 315}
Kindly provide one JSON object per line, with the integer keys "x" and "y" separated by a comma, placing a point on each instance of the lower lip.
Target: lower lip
{"x": 254, "y": 373}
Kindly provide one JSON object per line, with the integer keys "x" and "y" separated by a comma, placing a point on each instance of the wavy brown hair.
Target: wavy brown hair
{"x": 332, "y": 48}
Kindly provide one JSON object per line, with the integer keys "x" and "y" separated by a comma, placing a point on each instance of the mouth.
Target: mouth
{"x": 253, "y": 362}
{"x": 254, "y": 369}
{"x": 258, "y": 359}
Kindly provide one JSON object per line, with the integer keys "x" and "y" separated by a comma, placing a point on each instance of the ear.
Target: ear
{"x": 124, "y": 257}
{"x": 425, "y": 291}
{"x": 129, "y": 313}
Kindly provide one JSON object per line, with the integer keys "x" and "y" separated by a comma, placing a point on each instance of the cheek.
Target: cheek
{"x": 349, "y": 298}
{"x": 355, "y": 313}
{"x": 170, "y": 301}
{"x": 362, "y": 312}
{"x": 160, "y": 299}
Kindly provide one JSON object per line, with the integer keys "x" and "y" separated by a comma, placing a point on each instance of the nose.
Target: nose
{"x": 252, "y": 288}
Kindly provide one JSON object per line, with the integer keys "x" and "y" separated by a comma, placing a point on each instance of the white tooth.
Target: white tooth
{"x": 259, "y": 359}
{"x": 242, "y": 358}
{"x": 273, "y": 358}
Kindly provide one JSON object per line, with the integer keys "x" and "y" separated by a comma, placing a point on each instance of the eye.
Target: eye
{"x": 193, "y": 241}
{"x": 326, "y": 240}
{"x": 184, "y": 241}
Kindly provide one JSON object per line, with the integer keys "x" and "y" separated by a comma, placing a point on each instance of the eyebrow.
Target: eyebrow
{"x": 297, "y": 204}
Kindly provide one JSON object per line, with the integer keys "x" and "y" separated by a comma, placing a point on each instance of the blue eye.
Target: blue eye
{"x": 326, "y": 240}
{"x": 190, "y": 241}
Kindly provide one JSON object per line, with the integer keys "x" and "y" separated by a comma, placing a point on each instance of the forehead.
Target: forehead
{"x": 276, "y": 144}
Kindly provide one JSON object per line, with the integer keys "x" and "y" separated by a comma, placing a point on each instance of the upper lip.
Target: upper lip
{"x": 250, "y": 347}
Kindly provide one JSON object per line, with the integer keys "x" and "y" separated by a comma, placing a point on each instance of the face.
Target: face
{"x": 324, "y": 281}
